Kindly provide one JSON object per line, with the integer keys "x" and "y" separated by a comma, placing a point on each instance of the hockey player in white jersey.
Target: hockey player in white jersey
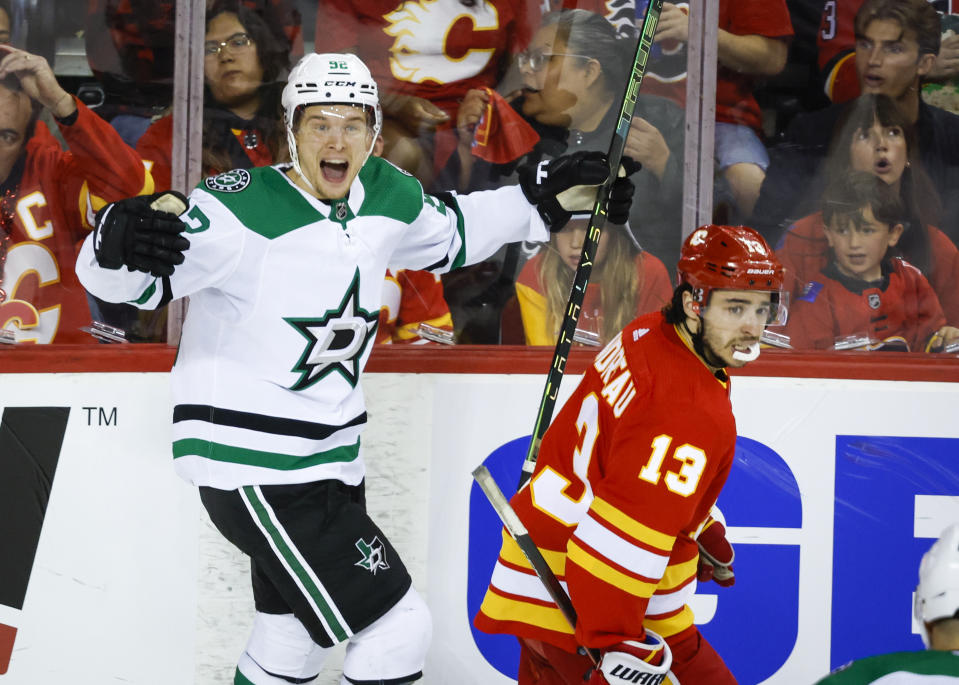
{"x": 284, "y": 268}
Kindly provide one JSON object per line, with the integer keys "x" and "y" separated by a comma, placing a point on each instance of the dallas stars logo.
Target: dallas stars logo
{"x": 374, "y": 555}
{"x": 336, "y": 341}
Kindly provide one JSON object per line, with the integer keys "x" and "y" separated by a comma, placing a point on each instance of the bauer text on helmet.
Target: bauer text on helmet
{"x": 731, "y": 258}
{"x": 330, "y": 91}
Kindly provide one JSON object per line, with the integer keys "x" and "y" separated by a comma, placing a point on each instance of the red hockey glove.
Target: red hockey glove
{"x": 645, "y": 662}
{"x": 715, "y": 553}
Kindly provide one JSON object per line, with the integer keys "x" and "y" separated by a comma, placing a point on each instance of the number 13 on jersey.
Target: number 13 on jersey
{"x": 550, "y": 491}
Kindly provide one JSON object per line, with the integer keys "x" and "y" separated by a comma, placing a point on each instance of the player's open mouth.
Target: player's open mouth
{"x": 334, "y": 172}
{"x": 883, "y": 165}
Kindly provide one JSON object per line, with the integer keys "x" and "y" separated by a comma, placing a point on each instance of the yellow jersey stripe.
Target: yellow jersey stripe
{"x": 672, "y": 625}
{"x": 604, "y": 572}
{"x": 501, "y": 608}
{"x": 632, "y": 527}
{"x": 511, "y": 553}
{"x": 677, "y": 574}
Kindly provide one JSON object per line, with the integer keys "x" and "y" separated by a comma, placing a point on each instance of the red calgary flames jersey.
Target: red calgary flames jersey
{"x": 48, "y": 212}
{"x": 903, "y": 309}
{"x": 626, "y": 473}
{"x": 735, "y": 103}
{"x": 804, "y": 252}
{"x": 433, "y": 49}
{"x": 409, "y": 299}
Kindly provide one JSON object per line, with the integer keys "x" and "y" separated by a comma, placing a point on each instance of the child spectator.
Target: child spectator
{"x": 49, "y": 197}
{"x": 875, "y": 136}
{"x": 624, "y": 283}
{"x": 864, "y": 292}
{"x": 896, "y": 49}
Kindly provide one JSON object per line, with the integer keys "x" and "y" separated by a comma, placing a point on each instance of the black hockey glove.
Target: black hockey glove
{"x": 543, "y": 183}
{"x": 620, "y": 200}
{"x": 142, "y": 233}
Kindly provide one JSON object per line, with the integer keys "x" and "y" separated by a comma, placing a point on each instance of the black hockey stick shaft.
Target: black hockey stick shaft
{"x": 518, "y": 532}
{"x": 597, "y": 221}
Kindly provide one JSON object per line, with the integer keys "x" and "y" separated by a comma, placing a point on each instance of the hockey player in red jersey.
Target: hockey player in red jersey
{"x": 627, "y": 476}
{"x": 48, "y": 199}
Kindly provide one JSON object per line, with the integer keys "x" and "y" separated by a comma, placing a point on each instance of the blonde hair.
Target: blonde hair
{"x": 619, "y": 280}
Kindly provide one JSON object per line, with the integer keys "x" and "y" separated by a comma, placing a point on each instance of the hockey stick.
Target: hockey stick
{"x": 596, "y": 223}
{"x": 518, "y": 532}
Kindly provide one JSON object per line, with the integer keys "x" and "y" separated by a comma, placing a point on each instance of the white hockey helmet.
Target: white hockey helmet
{"x": 329, "y": 78}
{"x": 937, "y": 595}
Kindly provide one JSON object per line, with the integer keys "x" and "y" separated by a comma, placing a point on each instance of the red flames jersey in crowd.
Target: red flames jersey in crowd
{"x": 902, "y": 311}
{"x": 436, "y": 50}
{"x": 735, "y": 103}
{"x": 836, "y": 42}
{"x": 626, "y": 473}
{"x": 48, "y": 212}
{"x": 409, "y": 299}
{"x": 804, "y": 252}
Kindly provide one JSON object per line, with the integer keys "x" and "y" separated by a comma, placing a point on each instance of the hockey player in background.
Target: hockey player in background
{"x": 621, "y": 500}
{"x": 937, "y": 611}
{"x": 284, "y": 269}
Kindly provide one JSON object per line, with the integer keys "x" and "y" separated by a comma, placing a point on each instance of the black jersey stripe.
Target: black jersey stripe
{"x": 261, "y": 422}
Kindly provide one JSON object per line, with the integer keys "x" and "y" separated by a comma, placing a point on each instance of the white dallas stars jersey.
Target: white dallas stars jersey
{"x": 284, "y": 298}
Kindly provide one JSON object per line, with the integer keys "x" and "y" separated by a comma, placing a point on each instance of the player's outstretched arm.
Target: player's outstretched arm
{"x": 142, "y": 233}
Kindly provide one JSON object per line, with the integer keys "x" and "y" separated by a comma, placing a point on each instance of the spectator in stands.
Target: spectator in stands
{"x": 864, "y": 292}
{"x": 625, "y": 282}
{"x": 898, "y": 41}
{"x": 937, "y": 610}
{"x": 130, "y": 45}
{"x": 573, "y": 78}
{"x": 875, "y": 136}
{"x": 425, "y": 57}
{"x": 752, "y": 43}
{"x": 48, "y": 199}
{"x": 6, "y": 23}
{"x": 836, "y": 42}
{"x": 573, "y": 75}
{"x": 244, "y": 71}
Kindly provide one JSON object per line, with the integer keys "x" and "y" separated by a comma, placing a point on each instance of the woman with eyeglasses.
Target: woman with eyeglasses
{"x": 573, "y": 76}
{"x": 244, "y": 65}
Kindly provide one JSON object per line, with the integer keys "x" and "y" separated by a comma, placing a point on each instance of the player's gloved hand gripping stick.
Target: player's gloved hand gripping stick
{"x": 632, "y": 661}
{"x": 601, "y": 210}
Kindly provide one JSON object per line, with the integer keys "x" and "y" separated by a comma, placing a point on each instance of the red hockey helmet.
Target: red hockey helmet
{"x": 729, "y": 258}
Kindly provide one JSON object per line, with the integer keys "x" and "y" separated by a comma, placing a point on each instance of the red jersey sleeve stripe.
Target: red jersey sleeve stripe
{"x": 598, "y": 568}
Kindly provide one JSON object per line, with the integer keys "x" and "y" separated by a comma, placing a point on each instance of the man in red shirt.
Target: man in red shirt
{"x": 752, "y": 42}
{"x": 627, "y": 476}
{"x": 48, "y": 199}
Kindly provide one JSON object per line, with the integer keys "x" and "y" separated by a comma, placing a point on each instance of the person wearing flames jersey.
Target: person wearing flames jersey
{"x": 426, "y": 56}
{"x": 49, "y": 197}
{"x": 621, "y": 502}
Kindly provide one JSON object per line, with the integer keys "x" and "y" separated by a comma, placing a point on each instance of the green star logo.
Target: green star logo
{"x": 336, "y": 341}
{"x": 374, "y": 555}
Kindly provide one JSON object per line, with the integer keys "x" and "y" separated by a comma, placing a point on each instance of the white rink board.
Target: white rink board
{"x": 128, "y": 569}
